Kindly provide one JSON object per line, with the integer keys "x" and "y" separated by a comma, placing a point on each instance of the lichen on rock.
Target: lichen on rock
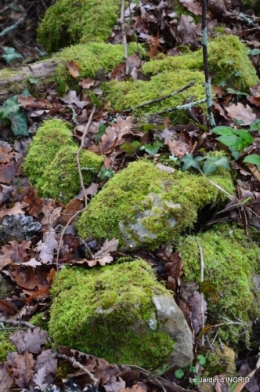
{"x": 51, "y": 163}
{"x": 143, "y": 206}
{"x": 230, "y": 260}
{"x": 109, "y": 312}
{"x": 68, "y": 22}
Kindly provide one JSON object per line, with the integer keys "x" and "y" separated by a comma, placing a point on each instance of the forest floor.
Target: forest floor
{"x": 29, "y": 292}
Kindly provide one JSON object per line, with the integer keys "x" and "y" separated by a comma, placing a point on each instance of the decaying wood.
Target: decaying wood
{"x": 16, "y": 81}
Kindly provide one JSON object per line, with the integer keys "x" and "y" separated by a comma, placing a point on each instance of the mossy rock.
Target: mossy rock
{"x": 128, "y": 94}
{"x": 68, "y": 22}
{"x": 107, "y": 311}
{"x": 60, "y": 179}
{"x": 230, "y": 260}
{"x": 50, "y": 136}
{"x": 228, "y": 62}
{"x": 143, "y": 206}
{"x": 5, "y": 346}
{"x": 51, "y": 163}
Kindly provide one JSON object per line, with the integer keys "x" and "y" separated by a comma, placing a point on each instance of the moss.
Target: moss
{"x": 124, "y": 95}
{"x": 51, "y": 162}
{"x": 228, "y": 62}
{"x": 143, "y": 206}
{"x": 230, "y": 259}
{"x": 69, "y": 21}
{"x": 50, "y": 136}
{"x": 39, "y": 321}
{"x": 5, "y": 346}
{"x": 106, "y": 312}
{"x": 60, "y": 179}
{"x": 91, "y": 57}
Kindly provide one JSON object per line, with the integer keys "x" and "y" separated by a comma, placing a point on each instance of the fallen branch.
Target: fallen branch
{"x": 159, "y": 99}
{"x": 181, "y": 107}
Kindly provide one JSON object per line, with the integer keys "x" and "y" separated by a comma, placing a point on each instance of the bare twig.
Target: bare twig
{"x": 202, "y": 267}
{"x": 122, "y": 22}
{"x": 78, "y": 365}
{"x": 13, "y": 26}
{"x": 17, "y": 323}
{"x": 159, "y": 99}
{"x": 205, "y": 63}
{"x": 78, "y": 153}
{"x": 181, "y": 107}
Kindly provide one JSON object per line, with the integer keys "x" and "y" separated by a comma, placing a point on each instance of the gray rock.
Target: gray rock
{"x": 173, "y": 323}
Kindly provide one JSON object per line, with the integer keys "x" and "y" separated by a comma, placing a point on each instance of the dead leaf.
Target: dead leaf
{"x": 22, "y": 368}
{"x": 178, "y": 148}
{"x": 6, "y": 379}
{"x": 33, "y": 201}
{"x": 31, "y": 340}
{"x": 192, "y": 6}
{"x": 187, "y": 30}
{"x": 87, "y": 83}
{"x": 15, "y": 210}
{"x": 154, "y": 47}
{"x": 73, "y": 68}
{"x": 47, "y": 247}
{"x": 114, "y": 134}
{"x": 139, "y": 387}
{"x": 14, "y": 252}
{"x": 7, "y": 307}
{"x": 241, "y": 113}
{"x": 7, "y": 172}
{"x": 164, "y": 168}
{"x": 71, "y": 208}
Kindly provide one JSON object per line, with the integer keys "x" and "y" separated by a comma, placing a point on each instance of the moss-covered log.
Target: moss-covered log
{"x": 90, "y": 57}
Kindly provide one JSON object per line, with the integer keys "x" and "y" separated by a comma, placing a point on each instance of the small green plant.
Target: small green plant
{"x": 130, "y": 148}
{"x": 11, "y": 112}
{"x": 10, "y": 54}
{"x": 236, "y": 140}
{"x": 101, "y": 131}
{"x": 195, "y": 378}
{"x": 152, "y": 149}
{"x": 106, "y": 173}
{"x": 210, "y": 164}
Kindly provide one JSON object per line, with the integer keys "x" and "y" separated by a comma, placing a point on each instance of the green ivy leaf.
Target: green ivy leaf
{"x": 19, "y": 124}
{"x": 189, "y": 161}
{"x": 255, "y": 126}
{"x": 10, "y": 108}
{"x": 152, "y": 149}
{"x": 212, "y": 163}
{"x": 10, "y": 54}
{"x": 223, "y": 130}
{"x": 254, "y": 52}
{"x": 130, "y": 148}
{"x": 106, "y": 173}
{"x": 179, "y": 373}
{"x": 253, "y": 158}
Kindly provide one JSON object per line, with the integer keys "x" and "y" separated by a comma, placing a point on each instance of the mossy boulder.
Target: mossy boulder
{"x": 60, "y": 179}
{"x": 68, "y": 22}
{"x": 128, "y": 94}
{"x": 50, "y": 136}
{"x": 51, "y": 163}
{"x": 230, "y": 260}
{"x": 111, "y": 312}
{"x": 228, "y": 63}
{"x": 91, "y": 57}
{"x": 143, "y": 206}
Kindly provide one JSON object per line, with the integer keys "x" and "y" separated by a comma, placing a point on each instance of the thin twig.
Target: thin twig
{"x": 181, "y": 107}
{"x": 78, "y": 153}
{"x": 205, "y": 63}
{"x": 78, "y": 365}
{"x": 132, "y": 24}
{"x": 202, "y": 267}
{"x": 122, "y": 22}
{"x": 17, "y": 323}
{"x": 63, "y": 232}
{"x": 159, "y": 99}
{"x": 12, "y": 27}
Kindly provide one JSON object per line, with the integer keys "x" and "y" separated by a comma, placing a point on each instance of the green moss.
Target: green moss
{"x": 143, "y": 206}
{"x": 69, "y": 21}
{"x": 230, "y": 259}
{"x": 106, "y": 312}
{"x": 124, "y": 95}
{"x": 39, "y": 321}
{"x": 50, "y": 136}
{"x": 60, "y": 179}
{"x": 5, "y": 346}
{"x": 228, "y": 62}
{"x": 51, "y": 163}
{"x": 91, "y": 57}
